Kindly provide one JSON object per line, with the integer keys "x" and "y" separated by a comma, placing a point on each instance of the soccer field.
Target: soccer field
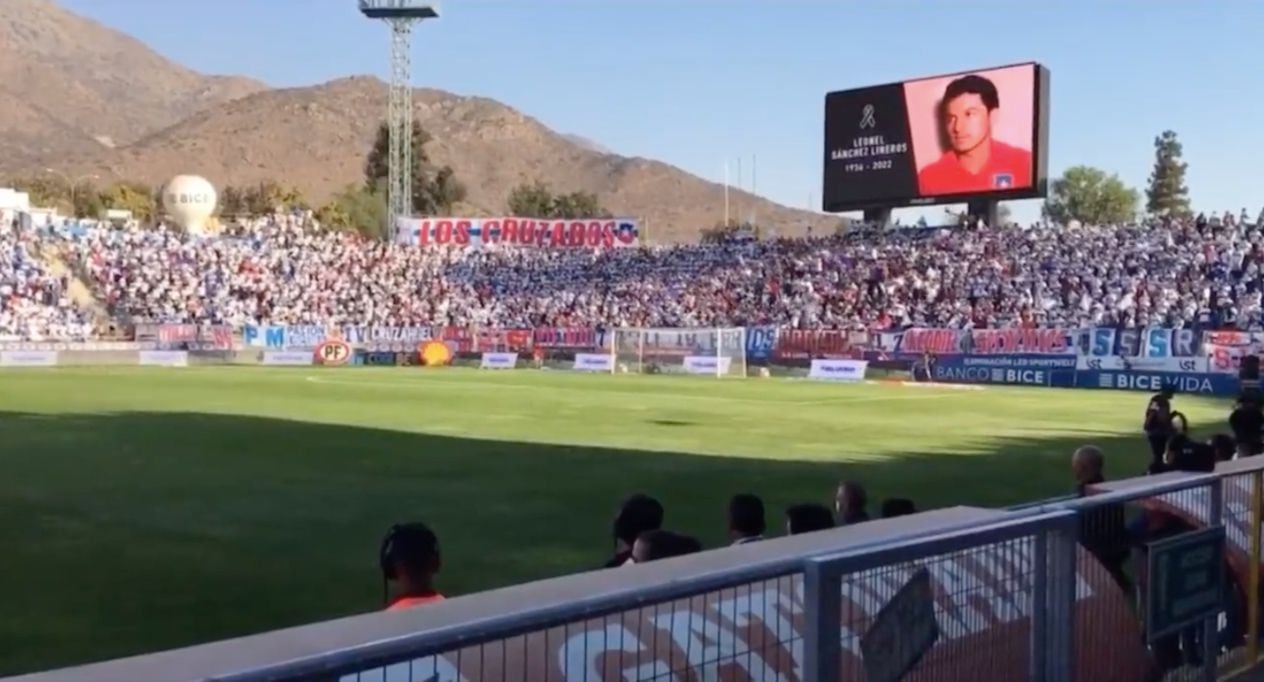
{"x": 143, "y": 509}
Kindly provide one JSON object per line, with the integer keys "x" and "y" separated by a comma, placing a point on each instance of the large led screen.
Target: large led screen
{"x": 977, "y": 134}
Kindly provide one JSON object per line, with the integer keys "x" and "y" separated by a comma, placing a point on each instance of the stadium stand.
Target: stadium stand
{"x": 1203, "y": 273}
{"x": 33, "y": 301}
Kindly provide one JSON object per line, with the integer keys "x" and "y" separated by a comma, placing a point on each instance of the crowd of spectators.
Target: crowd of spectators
{"x": 1203, "y": 272}
{"x": 33, "y": 302}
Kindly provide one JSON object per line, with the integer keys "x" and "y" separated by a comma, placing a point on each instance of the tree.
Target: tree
{"x": 1090, "y": 196}
{"x": 536, "y": 200}
{"x": 356, "y": 208}
{"x": 435, "y": 189}
{"x": 232, "y": 201}
{"x": 442, "y": 193}
{"x": 578, "y": 205}
{"x": 87, "y": 200}
{"x": 531, "y": 201}
{"x": 1167, "y": 193}
{"x": 136, "y": 197}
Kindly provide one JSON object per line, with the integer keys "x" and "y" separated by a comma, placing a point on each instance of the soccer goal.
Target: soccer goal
{"x": 717, "y": 352}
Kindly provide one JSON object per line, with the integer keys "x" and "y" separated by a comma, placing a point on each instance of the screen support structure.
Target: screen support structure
{"x": 880, "y": 217}
{"x": 987, "y": 209}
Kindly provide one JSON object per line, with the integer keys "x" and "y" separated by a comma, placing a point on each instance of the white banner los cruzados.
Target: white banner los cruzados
{"x": 593, "y": 362}
{"x": 499, "y": 361}
{"x": 838, "y": 370}
{"x": 707, "y": 364}
{"x": 587, "y": 233}
{"x": 28, "y": 358}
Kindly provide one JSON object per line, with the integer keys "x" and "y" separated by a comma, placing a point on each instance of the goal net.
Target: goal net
{"x": 715, "y": 352}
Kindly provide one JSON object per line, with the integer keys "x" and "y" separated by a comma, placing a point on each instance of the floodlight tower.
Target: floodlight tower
{"x": 400, "y": 16}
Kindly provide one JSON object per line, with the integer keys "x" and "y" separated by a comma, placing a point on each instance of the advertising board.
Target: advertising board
{"x": 1020, "y": 370}
{"x": 499, "y": 361}
{"x": 1197, "y": 383}
{"x": 28, "y": 358}
{"x": 164, "y": 358}
{"x": 707, "y": 364}
{"x": 838, "y": 370}
{"x": 291, "y": 358}
{"x": 1118, "y": 363}
{"x": 973, "y": 135}
{"x": 593, "y": 362}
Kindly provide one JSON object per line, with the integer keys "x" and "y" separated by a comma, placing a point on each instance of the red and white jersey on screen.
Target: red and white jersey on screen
{"x": 1007, "y": 168}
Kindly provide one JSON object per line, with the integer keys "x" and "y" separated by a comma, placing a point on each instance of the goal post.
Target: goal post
{"x": 703, "y": 351}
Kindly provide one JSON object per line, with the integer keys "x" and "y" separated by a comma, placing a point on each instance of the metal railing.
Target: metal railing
{"x": 1017, "y": 594}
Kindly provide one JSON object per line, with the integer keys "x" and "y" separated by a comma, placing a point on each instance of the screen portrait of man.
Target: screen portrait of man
{"x": 967, "y": 117}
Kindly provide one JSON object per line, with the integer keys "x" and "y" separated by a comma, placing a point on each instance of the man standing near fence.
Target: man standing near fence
{"x": 1103, "y": 529}
{"x": 1158, "y": 426}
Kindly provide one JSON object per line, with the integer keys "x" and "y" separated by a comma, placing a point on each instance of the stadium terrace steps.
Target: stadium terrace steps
{"x": 83, "y": 298}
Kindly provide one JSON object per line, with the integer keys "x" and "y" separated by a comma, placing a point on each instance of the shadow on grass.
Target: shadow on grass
{"x": 132, "y": 532}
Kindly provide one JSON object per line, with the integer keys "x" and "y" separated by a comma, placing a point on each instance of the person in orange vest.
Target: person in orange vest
{"x": 409, "y": 558}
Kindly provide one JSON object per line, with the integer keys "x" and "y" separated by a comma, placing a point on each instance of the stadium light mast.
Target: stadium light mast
{"x": 400, "y": 16}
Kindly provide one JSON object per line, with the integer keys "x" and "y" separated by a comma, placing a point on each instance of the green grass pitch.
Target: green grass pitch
{"x": 143, "y": 509}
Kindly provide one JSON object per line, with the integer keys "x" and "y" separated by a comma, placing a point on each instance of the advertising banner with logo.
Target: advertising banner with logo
{"x": 1199, "y": 383}
{"x": 566, "y": 337}
{"x": 1022, "y": 370}
{"x": 288, "y": 357}
{"x": 376, "y": 358}
{"x": 707, "y": 364}
{"x": 593, "y": 362}
{"x": 499, "y": 361}
{"x": 838, "y": 370}
{"x": 830, "y": 344}
{"x": 164, "y": 358}
{"x": 585, "y": 233}
{"x": 28, "y": 358}
{"x": 333, "y": 353}
{"x": 1116, "y": 363}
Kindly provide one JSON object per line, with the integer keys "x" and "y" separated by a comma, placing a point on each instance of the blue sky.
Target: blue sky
{"x": 696, "y": 82}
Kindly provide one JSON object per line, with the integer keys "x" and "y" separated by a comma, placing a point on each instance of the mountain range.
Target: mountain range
{"x": 82, "y": 99}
